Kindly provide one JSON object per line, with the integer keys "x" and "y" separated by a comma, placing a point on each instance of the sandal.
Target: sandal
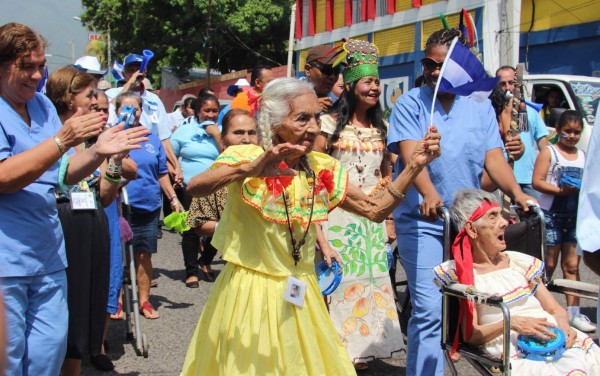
{"x": 148, "y": 311}
{"x": 119, "y": 314}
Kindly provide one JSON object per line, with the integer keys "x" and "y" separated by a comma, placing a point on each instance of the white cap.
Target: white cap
{"x": 232, "y": 89}
{"x": 91, "y": 65}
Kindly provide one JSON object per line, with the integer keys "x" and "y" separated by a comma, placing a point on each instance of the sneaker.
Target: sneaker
{"x": 582, "y": 323}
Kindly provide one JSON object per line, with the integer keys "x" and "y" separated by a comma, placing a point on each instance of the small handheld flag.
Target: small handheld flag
{"x": 462, "y": 74}
{"x": 117, "y": 71}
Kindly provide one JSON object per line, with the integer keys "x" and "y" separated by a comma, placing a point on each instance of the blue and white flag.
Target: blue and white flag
{"x": 41, "y": 86}
{"x": 117, "y": 71}
{"x": 463, "y": 74}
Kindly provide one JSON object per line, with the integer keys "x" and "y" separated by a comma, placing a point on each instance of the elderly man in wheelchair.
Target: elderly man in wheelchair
{"x": 541, "y": 340}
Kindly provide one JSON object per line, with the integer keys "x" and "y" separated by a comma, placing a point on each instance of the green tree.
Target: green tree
{"x": 244, "y": 33}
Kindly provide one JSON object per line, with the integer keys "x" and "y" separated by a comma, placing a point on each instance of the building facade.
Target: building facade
{"x": 537, "y": 32}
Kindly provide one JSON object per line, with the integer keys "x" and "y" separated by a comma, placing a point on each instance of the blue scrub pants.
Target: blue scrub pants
{"x": 420, "y": 253}
{"x": 37, "y": 321}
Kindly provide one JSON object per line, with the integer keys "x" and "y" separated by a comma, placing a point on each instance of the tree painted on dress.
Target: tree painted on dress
{"x": 363, "y": 251}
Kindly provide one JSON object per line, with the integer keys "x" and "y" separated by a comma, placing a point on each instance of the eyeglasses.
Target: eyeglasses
{"x": 504, "y": 83}
{"x": 430, "y": 64}
{"x": 327, "y": 70}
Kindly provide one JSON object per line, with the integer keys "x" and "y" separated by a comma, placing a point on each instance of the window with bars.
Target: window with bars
{"x": 356, "y": 11}
{"x": 305, "y": 17}
{"x": 381, "y": 8}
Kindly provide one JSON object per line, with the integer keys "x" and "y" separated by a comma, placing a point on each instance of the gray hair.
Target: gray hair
{"x": 465, "y": 203}
{"x": 276, "y": 105}
{"x": 127, "y": 94}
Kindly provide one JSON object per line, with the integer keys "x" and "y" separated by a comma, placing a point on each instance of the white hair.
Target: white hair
{"x": 276, "y": 105}
{"x": 465, "y": 203}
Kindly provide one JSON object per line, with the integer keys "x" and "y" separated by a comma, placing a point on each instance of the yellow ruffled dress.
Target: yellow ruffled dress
{"x": 247, "y": 328}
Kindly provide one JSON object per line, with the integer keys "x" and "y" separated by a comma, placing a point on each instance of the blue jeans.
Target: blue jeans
{"x": 420, "y": 253}
{"x": 37, "y": 320}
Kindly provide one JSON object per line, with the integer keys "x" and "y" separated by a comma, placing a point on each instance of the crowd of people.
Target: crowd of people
{"x": 291, "y": 172}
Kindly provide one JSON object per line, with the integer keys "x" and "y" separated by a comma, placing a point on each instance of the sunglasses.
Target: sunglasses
{"x": 327, "y": 70}
{"x": 505, "y": 83}
{"x": 430, "y": 64}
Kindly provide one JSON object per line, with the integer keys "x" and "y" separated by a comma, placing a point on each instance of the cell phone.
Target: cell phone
{"x": 128, "y": 116}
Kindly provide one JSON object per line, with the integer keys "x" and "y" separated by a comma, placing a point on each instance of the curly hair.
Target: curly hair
{"x": 64, "y": 83}
{"x": 343, "y": 110}
{"x": 444, "y": 37}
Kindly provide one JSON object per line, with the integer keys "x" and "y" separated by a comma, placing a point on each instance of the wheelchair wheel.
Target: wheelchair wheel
{"x": 401, "y": 293}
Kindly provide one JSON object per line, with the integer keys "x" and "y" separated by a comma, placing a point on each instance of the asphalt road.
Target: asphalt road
{"x": 180, "y": 308}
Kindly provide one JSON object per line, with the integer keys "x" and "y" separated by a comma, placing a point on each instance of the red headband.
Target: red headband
{"x": 463, "y": 257}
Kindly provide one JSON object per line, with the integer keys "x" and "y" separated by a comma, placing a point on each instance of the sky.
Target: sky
{"x": 54, "y": 20}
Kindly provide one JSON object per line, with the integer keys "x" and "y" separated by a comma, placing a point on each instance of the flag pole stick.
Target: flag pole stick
{"x": 437, "y": 84}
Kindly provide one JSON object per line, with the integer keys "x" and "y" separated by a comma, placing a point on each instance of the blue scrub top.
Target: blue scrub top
{"x": 31, "y": 238}
{"x": 537, "y": 129}
{"x": 468, "y": 132}
{"x": 144, "y": 193}
{"x": 196, "y": 149}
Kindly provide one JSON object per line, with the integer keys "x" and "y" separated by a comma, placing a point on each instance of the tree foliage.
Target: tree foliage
{"x": 244, "y": 33}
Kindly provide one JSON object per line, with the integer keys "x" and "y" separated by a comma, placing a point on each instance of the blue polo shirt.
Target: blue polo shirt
{"x": 468, "y": 132}
{"x": 31, "y": 238}
{"x": 144, "y": 192}
{"x": 196, "y": 149}
{"x": 537, "y": 129}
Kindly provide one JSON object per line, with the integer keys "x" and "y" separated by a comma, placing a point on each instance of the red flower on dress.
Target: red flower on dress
{"x": 325, "y": 181}
{"x": 278, "y": 184}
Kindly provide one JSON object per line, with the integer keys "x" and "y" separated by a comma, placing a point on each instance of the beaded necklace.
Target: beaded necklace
{"x": 297, "y": 245}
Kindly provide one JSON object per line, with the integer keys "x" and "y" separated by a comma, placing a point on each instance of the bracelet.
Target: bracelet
{"x": 114, "y": 169}
{"x": 60, "y": 145}
{"x": 396, "y": 193}
{"x": 112, "y": 179}
{"x": 172, "y": 197}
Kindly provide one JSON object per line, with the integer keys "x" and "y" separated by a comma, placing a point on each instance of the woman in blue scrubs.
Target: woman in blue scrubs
{"x": 32, "y": 249}
{"x": 471, "y": 143}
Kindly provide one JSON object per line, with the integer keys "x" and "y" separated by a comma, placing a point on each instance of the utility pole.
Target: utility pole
{"x": 208, "y": 44}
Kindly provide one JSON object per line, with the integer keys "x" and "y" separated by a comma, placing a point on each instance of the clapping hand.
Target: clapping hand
{"x": 116, "y": 141}
{"x": 79, "y": 128}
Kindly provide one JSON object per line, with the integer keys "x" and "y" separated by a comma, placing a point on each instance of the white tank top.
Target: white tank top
{"x": 552, "y": 175}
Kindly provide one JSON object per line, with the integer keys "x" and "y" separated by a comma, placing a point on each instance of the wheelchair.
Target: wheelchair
{"x": 527, "y": 236}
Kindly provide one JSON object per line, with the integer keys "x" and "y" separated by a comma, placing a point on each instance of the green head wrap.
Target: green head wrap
{"x": 361, "y": 60}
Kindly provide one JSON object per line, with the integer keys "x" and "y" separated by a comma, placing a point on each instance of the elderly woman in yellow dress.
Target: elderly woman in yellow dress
{"x": 479, "y": 260}
{"x": 251, "y": 324}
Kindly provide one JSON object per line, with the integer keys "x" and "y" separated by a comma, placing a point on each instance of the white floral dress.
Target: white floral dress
{"x": 362, "y": 308}
{"x": 517, "y": 285}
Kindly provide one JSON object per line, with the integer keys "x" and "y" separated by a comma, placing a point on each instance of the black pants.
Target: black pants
{"x": 190, "y": 245}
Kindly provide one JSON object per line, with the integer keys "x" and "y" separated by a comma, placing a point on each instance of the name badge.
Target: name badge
{"x": 83, "y": 201}
{"x": 295, "y": 292}
{"x": 154, "y": 118}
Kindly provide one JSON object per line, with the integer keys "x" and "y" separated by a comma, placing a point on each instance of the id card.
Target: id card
{"x": 296, "y": 289}
{"x": 83, "y": 201}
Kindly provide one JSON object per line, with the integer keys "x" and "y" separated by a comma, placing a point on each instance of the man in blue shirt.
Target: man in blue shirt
{"x": 536, "y": 134}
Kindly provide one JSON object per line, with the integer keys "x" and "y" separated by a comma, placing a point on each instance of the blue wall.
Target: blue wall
{"x": 564, "y": 50}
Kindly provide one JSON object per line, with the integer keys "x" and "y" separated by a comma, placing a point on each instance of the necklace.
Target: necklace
{"x": 297, "y": 245}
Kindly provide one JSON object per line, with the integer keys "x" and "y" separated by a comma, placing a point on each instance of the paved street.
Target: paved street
{"x": 180, "y": 308}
